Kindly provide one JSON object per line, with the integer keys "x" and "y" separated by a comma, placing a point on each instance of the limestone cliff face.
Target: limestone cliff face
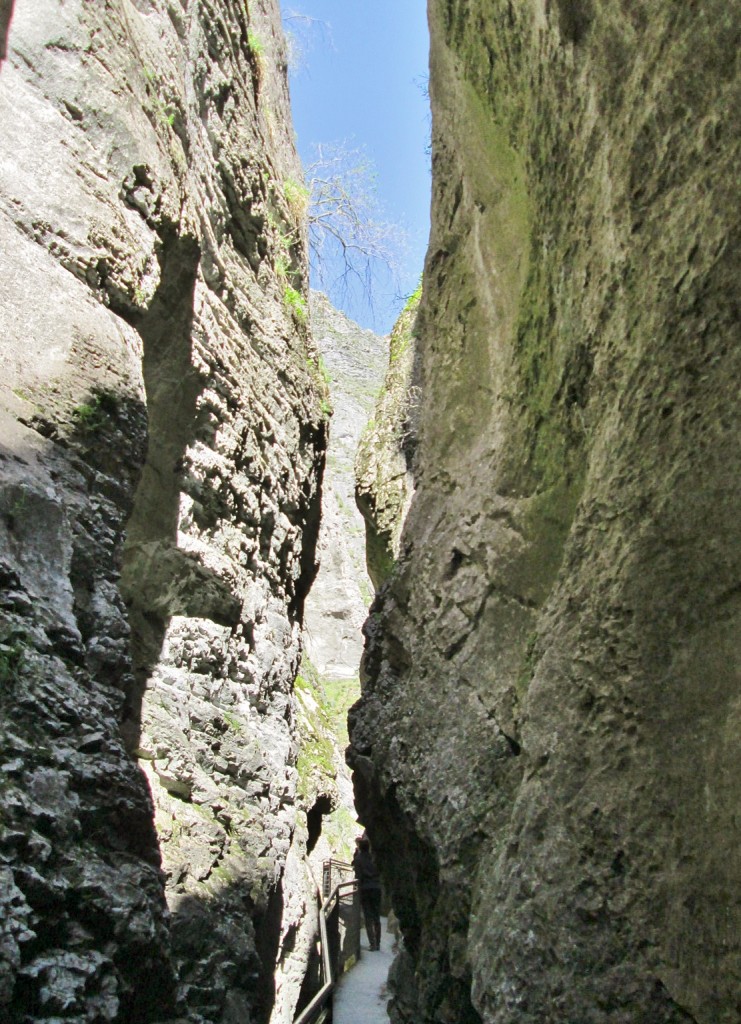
{"x": 351, "y": 363}
{"x": 353, "y": 360}
{"x": 546, "y": 750}
{"x": 162, "y": 446}
{"x": 384, "y": 483}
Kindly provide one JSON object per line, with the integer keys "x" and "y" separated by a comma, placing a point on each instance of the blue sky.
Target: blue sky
{"x": 360, "y": 80}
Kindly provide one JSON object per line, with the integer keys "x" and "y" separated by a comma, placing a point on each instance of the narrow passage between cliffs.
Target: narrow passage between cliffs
{"x": 361, "y": 994}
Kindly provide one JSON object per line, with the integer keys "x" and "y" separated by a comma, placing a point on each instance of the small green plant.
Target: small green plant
{"x": 166, "y": 113}
{"x": 12, "y": 653}
{"x": 19, "y": 506}
{"x": 529, "y": 662}
{"x": 296, "y": 303}
{"x": 321, "y": 377}
{"x": 91, "y": 416}
{"x": 163, "y": 111}
{"x": 284, "y": 243}
{"x": 86, "y": 416}
{"x": 297, "y": 196}
{"x": 254, "y": 43}
{"x": 327, "y": 377}
{"x": 255, "y": 54}
{"x": 256, "y": 49}
{"x": 232, "y": 721}
{"x": 282, "y": 265}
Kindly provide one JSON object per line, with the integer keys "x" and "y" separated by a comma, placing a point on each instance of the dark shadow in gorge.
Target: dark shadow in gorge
{"x": 158, "y": 581}
{"x": 239, "y": 985}
{"x": 411, "y": 875}
{"x": 213, "y": 939}
{"x": 153, "y": 570}
{"x": 6, "y": 14}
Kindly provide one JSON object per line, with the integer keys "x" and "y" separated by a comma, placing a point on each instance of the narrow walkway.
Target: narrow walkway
{"x": 361, "y": 996}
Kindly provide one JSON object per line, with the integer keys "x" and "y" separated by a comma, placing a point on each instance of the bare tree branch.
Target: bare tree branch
{"x": 349, "y": 240}
{"x": 301, "y": 31}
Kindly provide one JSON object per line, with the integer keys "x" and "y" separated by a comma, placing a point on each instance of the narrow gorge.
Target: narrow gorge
{"x": 545, "y": 745}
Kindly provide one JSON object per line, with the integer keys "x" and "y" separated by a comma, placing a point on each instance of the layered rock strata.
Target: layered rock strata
{"x": 162, "y": 445}
{"x": 546, "y": 751}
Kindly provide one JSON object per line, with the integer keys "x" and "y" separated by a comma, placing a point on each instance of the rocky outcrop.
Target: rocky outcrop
{"x": 353, "y": 360}
{"x": 384, "y": 483}
{"x": 545, "y": 750}
{"x": 162, "y": 444}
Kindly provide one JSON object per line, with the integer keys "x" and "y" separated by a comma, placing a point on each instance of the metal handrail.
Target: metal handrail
{"x": 320, "y": 999}
{"x": 327, "y": 869}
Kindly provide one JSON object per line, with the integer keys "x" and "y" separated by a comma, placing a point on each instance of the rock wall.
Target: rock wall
{"x": 354, "y": 362}
{"x": 546, "y": 751}
{"x": 163, "y": 438}
{"x": 384, "y": 483}
{"x": 351, "y": 364}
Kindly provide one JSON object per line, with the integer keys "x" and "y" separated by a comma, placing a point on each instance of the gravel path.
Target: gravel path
{"x": 361, "y": 996}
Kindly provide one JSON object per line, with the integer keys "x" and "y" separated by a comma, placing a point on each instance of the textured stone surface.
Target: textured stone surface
{"x": 327, "y": 830}
{"x": 354, "y": 361}
{"x": 384, "y": 483}
{"x": 155, "y": 382}
{"x": 351, "y": 363}
{"x": 546, "y": 751}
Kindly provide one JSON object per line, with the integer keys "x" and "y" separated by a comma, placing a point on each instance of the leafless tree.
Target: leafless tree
{"x": 302, "y": 32}
{"x": 350, "y": 242}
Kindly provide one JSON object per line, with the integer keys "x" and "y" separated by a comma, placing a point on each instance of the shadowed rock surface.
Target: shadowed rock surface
{"x": 6, "y": 13}
{"x": 546, "y": 750}
{"x": 156, "y": 387}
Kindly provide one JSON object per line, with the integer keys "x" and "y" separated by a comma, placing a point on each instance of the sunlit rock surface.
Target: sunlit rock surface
{"x": 384, "y": 483}
{"x": 547, "y": 749}
{"x": 157, "y": 388}
{"x": 354, "y": 361}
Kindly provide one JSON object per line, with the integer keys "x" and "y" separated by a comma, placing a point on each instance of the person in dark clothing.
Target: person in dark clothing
{"x": 369, "y": 884}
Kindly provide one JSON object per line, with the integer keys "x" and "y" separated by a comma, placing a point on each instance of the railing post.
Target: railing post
{"x": 356, "y": 921}
{"x": 326, "y": 879}
{"x": 330, "y": 945}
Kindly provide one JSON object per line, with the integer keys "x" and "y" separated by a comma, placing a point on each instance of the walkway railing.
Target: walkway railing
{"x": 339, "y": 936}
